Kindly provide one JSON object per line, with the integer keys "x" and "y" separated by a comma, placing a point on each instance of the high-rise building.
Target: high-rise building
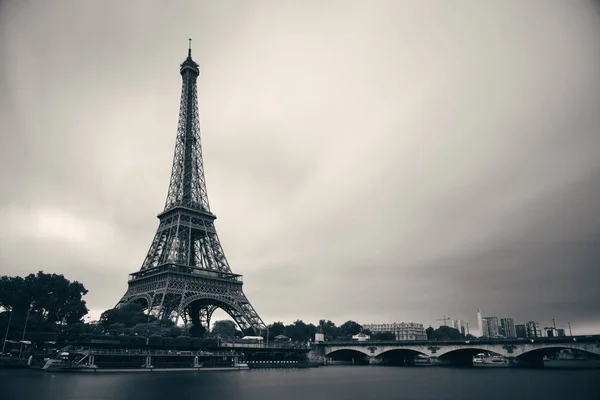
{"x": 402, "y": 330}
{"x": 462, "y": 330}
{"x": 533, "y": 329}
{"x": 459, "y": 325}
{"x": 485, "y": 332}
{"x": 480, "y": 323}
{"x": 507, "y": 326}
{"x": 492, "y": 326}
{"x": 521, "y": 331}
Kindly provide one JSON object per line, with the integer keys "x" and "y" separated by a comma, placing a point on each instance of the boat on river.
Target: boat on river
{"x": 484, "y": 360}
{"x": 69, "y": 362}
{"x": 82, "y": 360}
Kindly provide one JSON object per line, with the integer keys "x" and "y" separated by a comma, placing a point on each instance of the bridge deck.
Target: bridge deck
{"x": 486, "y": 341}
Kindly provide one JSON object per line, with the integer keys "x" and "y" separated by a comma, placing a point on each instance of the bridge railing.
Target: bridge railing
{"x": 482, "y": 341}
{"x": 151, "y": 352}
{"x": 263, "y": 345}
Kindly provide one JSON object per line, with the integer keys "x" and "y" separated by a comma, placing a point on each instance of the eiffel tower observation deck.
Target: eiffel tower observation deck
{"x": 185, "y": 273}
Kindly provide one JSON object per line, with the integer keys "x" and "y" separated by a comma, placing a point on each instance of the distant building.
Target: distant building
{"x": 402, "y": 330}
{"x": 490, "y": 327}
{"x": 560, "y": 332}
{"x": 480, "y": 323}
{"x": 485, "y": 332}
{"x": 507, "y": 328}
{"x": 521, "y": 331}
{"x": 462, "y": 330}
{"x": 459, "y": 325}
{"x": 552, "y": 332}
{"x": 533, "y": 329}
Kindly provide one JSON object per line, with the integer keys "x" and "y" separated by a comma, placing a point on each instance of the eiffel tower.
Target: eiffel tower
{"x": 185, "y": 273}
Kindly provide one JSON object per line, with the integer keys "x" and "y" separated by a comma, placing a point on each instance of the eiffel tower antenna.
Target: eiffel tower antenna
{"x": 185, "y": 273}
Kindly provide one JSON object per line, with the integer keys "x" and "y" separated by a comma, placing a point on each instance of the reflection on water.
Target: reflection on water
{"x": 368, "y": 382}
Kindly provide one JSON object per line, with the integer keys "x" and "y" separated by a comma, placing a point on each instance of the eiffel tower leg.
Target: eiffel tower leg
{"x": 179, "y": 308}
{"x": 235, "y": 304}
{"x": 200, "y": 314}
{"x": 162, "y": 301}
{"x": 209, "y": 312}
{"x": 152, "y": 302}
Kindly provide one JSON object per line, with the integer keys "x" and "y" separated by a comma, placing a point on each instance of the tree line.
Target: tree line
{"x": 51, "y": 307}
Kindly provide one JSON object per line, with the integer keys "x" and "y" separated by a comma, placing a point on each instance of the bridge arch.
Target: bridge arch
{"x": 335, "y": 350}
{"x": 401, "y": 356}
{"x": 348, "y": 355}
{"x": 407, "y": 350}
{"x": 541, "y": 351}
{"x": 471, "y": 351}
{"x": 464, "y": 355}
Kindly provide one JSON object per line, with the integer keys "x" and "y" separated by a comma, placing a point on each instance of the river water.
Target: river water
{"x": 334, "y": 382}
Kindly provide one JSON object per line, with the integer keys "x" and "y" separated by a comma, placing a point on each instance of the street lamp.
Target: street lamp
{"x": 267, "y": 336}
{"x": 7, "y": 327}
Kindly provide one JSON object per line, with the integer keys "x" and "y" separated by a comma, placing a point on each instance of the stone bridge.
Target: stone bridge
{"x": 517, "y": 351}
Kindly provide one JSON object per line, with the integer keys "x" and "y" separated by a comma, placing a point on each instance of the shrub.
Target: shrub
{"x": 138, "y": 340}
{"x": 155, "y": 340}
{"x": 124, "y": 339}
{"x": 182, "y": 341}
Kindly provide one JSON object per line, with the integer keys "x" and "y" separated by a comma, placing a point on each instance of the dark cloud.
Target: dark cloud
{"x": 372, "y": 162}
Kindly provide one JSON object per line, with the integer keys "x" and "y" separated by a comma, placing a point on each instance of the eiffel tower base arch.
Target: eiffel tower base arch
{"x": 193, "y": 298}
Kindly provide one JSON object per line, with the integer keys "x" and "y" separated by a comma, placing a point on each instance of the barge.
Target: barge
{"x": 136, "y": 360}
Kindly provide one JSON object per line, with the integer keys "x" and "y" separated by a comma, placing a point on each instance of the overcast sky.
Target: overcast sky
{"x": 368, "y": 160}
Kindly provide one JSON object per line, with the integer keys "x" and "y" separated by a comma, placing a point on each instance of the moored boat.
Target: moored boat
{"x": 483, "y": 360}
{"x": 69, "y": 362}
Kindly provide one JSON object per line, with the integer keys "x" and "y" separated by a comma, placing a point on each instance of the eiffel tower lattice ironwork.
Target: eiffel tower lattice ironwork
{"x": 185, "y": 273}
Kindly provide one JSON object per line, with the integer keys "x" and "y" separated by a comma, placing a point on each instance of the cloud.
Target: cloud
{"x": 371, "y": 162}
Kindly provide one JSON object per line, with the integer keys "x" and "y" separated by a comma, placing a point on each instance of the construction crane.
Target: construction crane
{"x": 444, "y": 319}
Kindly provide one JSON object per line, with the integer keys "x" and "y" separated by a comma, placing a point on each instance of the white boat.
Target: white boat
{"x": 422, "y": 360}
{"x": 69, "y": 362}
{"x": 481, "y": 360}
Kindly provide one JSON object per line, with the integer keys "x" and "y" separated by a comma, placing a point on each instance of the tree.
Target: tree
{"x": 429, "y": 332}
{"x": 150, "y": 329}
{"x": 446, "y": 333}
{"x": 175, "y": 331}
{"x": 182, "y": 341}
{"x": 197, "y": 331}
{"x": 329, "y": 329}
{"x": 51, "y": 299}
{"x": 350, "y": 328}
{"x": 299, "y": 331}
{"x": 225, "y": 329}
{"x": 129, "y": 315}
{"x": 155, "y": 340}
{"x": 276, "y": 328}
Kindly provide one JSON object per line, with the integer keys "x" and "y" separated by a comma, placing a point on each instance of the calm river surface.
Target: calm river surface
{"x": 336, "y": 382}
